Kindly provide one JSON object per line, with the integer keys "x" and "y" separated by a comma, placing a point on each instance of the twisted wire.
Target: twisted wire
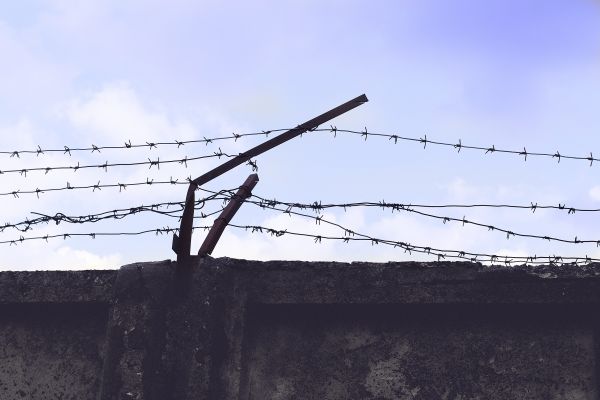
{"x": 318, "y": 207}
{"x": 128, "y": 145}
{"x": 106, "y": 165}
{"x": 441, "y": 254}
{"x": 117, "y": 214}
{"x": 459, "y": 145}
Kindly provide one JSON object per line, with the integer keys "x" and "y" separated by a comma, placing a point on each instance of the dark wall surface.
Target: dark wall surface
{"x": 235, "y": 329}
{"x": 52, "y": 333}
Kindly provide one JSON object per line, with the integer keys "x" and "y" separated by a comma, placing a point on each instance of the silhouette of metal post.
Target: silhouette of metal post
{"x": 229, "y": 211}
{"x": 182, "y": 243}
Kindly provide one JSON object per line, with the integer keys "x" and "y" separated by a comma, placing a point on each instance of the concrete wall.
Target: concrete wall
{"x": 234, "y": 329}
{"x": 52, "y": 333}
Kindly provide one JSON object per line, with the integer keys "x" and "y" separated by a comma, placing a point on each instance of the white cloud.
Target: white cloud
{"x": 66, "y": 257}
{"x": 75, "y": 16}
{"x": 44, "y": 256}
{"x": 458, "y": 188}
{"x": 116, "y": 113}
{"x": 18, "y": 136}
{"x": 27, "y": 78}
{"x": 595, "y": 193}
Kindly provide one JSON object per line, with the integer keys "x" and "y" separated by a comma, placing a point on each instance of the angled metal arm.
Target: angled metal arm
{"x": 182, "y": 243}
{"x": 229, "y": 211}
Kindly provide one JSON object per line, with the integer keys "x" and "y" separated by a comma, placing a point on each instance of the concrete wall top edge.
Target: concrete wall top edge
{"x": 451, "y": 270}
{"x": 56, "y": 286}
{"x": 273, "y": 276}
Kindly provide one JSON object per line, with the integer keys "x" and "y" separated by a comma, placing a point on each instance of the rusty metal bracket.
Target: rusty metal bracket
{"x": 182, "y": 243}
{"x": 227, "y": 214}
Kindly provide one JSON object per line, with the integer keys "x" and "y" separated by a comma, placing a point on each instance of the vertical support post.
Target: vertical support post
{"x": 227, "y": 214}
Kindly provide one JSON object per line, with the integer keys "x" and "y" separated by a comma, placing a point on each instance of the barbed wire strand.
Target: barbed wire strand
{"x": 441, "y": 254}
{"x": 333, "y": 129}
{"x": 319, "y": 205}
{"x": 157, "y": 231}
{"x": 270, "y": 204}
{"x": 99, "y": 186}
{"x": 116, "y": 214}
{"x": 128, "y": 145}
{"x": 459, "y": 145}
{"x": 106, "y": 165}
{"x": 350, "y": 235}
{"x": 315, "y": 206}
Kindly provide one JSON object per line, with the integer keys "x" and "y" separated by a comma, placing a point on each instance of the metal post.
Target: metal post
{"x": 227, "y": 214}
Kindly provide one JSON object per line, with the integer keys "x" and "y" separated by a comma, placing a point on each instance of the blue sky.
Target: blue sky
{"x": 512, "y": 74}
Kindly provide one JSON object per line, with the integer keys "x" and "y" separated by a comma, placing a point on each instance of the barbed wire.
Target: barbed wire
{"x": 128, "y": 145}
{"x": 99, "y": 186}
{"x": 106, "y": 165}
{"x": 93, "y": 235}
{"x": 317, "y": 207}
{"x": 333, "y": 129}
{"x": 440, "y": 254}
{"x": 118, "y": 214}
{"x": 349, "y": 235}
{"x": 459, "y": 145}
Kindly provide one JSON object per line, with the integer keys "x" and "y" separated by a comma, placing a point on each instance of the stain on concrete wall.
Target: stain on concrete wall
{"x": 386, "y": 352}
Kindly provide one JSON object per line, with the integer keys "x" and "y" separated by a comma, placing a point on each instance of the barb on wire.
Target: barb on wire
{"x": 128, "y": 145}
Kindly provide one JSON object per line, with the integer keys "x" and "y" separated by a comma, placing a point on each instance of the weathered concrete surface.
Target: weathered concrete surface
{"x": 415, "y": 352}
{"x": 50, "y": 351}
{"x": 417, "y": 331}
{"x": 56, "y": 287}
{"x": 52, "y": 333}
{"x": 235, "y": 329}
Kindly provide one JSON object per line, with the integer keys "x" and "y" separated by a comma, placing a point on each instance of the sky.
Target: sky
{"x": 512, "y": 74}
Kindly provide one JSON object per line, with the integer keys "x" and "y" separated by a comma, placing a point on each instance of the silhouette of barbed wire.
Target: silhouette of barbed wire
{"x": 365, "y": 134}
{"x": 440, "y": 254}
{"x": 459, "y": 145}
{"x": 349, "y": 236}
{"x": 318, "y": 207}
{"x": 117, "y": 214}
{"x": 151, "y": 163}
{"x": 128, "y": 145}
{"x": 98, "y": 186}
